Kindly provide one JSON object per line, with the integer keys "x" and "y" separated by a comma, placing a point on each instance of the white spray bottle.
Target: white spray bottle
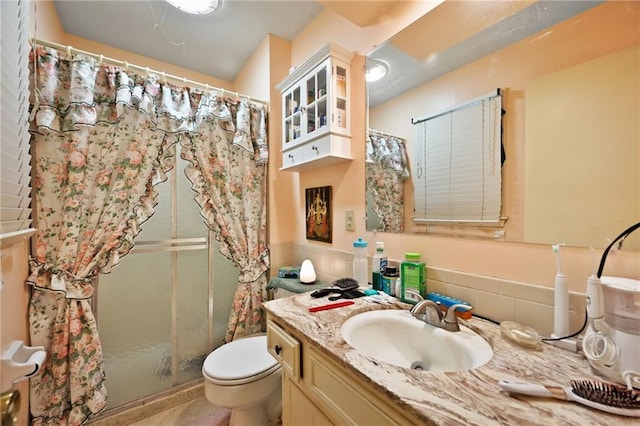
{"x": 561, "y": 299}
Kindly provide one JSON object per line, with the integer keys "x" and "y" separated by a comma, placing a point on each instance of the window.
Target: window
{"x": 458, "y": 164}
{"x": 15, "y": 191}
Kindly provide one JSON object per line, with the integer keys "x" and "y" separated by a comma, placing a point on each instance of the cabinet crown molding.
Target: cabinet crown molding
{"x": 328, "y": 50}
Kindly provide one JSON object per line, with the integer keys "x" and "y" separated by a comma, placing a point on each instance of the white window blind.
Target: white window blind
{"x": 15, "y": 191}
{"x": 458, "y": 177}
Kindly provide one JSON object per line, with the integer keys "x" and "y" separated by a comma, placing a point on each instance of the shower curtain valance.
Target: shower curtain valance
{"x": 388, "y": 151}
{"x": 102, "y": 60}
{"x": 98, "y": 93}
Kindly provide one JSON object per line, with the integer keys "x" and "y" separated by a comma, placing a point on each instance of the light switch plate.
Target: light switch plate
{"x": 350, "y": 221}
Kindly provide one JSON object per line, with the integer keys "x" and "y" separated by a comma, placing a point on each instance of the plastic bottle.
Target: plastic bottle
{"x": 378, "y": 263}
{"x": 389, "y": 279}
{"x": 360, "y": 267}
{"x": 412, "y": 278}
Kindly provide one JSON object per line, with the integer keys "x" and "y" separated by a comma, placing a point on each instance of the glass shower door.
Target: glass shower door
{"x": 166, "y": 305}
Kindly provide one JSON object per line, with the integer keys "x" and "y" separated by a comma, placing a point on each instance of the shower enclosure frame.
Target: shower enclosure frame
{"x": 174, "y": 246}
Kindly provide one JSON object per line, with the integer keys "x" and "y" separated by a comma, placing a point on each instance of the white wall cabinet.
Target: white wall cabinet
{"x": 316, "y": 110}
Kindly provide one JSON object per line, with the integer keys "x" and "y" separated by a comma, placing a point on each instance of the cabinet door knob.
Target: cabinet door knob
{"x": 278, "y": 349}
{"x": 315, "y": 148}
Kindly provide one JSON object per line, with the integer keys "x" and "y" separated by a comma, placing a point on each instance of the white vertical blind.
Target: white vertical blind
{"x": 458, "y": 162}
{"x": 15, "y": 191}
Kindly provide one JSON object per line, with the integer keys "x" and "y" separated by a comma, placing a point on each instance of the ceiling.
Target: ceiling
{"x": 481, "y": 28}
{"x": 155, "y": 29}
{"x": 426, "y": 49}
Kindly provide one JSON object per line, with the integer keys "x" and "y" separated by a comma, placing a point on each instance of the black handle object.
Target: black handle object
{"x": 278, "y": 349}
{"x": 348, "y": 294}
{"x": 338, "y": 286}
{"x": 321, "y": 292}
{"x": 620, "y": 237}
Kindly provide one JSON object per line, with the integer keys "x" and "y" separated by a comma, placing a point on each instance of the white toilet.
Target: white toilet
{"x": 242, "y": 376}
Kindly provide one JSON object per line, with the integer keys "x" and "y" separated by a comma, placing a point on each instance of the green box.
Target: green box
{"x": 412, "y": 279}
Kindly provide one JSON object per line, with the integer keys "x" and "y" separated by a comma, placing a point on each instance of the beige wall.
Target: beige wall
{"x": 14, "y": 293}
{"x": 254, "y": 77}
{"x": 521, "y": 262}
{"x": 346, "y": 179}
{"x": 14, "y": 301}
{"x": 281, "y": 185}
{"x": 603, "y": 97}
{"x": 511, "y": 68}
{"x": 525, "y": 263}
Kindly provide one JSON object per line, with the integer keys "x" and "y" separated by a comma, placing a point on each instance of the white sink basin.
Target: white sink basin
{"x": 395, "y": 337}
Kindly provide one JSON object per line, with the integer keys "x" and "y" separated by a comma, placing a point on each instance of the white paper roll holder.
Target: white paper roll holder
{"x": 20, "y": 362}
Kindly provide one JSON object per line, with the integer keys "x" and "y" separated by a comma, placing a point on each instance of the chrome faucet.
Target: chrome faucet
{"x": 429, "y": 311}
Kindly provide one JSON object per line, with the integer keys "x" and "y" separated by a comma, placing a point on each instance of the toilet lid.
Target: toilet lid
{"x": 240, "y": 359}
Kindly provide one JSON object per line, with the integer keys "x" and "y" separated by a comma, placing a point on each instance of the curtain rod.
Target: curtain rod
{"x": 147, "y": 70}
{"x": 472, "y": 102}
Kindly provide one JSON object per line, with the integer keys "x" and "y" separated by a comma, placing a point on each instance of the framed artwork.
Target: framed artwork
{"x": 318, "y": 202}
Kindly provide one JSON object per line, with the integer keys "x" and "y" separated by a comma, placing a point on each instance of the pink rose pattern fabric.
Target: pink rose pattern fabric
{"x": 386, "y": 170}
{"x": 102, "y": 138}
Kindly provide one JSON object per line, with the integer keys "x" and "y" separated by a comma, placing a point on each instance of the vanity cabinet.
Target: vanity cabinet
{"x": 323, "y": 391}
{"x": 316, "y": 110}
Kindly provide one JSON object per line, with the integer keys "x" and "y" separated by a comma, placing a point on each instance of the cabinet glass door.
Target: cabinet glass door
{"x": 341, "y": 97}
{"x": 316, "y": 86}
{"x": 292, "y": 115}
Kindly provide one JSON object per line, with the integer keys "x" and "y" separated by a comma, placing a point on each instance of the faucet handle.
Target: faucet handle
{"x": 412, "y": 294}
{"x": 451, "y": 317}
{"x": 427, "y": 308}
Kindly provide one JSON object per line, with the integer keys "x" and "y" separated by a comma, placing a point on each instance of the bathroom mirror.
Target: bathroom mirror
{"x": 571, "y": 132}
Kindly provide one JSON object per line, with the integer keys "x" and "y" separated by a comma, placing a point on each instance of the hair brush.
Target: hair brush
{"x": 338, "y": 286}
{"x": 602, "y": 396}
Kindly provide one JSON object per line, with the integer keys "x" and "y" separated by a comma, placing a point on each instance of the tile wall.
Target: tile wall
{"x": 494, "y": 298}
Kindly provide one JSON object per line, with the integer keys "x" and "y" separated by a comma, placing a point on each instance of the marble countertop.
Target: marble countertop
{"x": 461, "y": 398}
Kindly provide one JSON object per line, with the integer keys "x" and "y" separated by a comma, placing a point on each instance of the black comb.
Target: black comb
{"x": 338, "y": 286}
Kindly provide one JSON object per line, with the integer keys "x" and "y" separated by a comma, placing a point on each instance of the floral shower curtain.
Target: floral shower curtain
{"x": 102, "y": 138}
{"x": 386, "y": 171}
{"x": 229, "y": 175}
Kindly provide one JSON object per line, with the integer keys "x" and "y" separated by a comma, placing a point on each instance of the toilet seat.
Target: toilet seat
{"x": 240, "y": 361}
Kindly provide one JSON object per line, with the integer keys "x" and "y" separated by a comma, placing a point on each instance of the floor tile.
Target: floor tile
{"x": 199, "y": 412}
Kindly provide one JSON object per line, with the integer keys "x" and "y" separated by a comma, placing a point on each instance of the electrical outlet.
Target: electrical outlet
{"x": 350, "y": 221}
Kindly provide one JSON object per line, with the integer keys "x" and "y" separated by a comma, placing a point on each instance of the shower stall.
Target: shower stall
{"x": 165, "y": 307}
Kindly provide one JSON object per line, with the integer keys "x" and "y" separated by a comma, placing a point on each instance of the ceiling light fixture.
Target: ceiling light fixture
{"x": 375, "y": 70}
{"x": 196, "y": 7}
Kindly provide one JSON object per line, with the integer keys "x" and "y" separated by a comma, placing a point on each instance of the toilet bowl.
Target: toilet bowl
{"x": 244, "y": 377}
